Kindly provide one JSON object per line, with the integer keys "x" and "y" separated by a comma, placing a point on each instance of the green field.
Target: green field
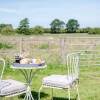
{"x": 89, "y": 86}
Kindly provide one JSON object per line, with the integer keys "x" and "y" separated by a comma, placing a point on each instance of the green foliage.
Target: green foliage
{"x": 7, "y": 31}
{"x": 47, "y": 30}
{"x": 94, "y": 31}
{"x": 2, "y": 26}
{"x": 24, "y": 27}
{"x": 37, "y": 30}
{"x": 56, "y": 26}
{"x": 72, "y": 25}
{"x": 89, "y": 30}
{"x": 83, "y": 30}
{"x": 5, "y": 46}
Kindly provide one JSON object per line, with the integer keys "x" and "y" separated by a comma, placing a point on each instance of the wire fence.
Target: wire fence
{"x": 55, "y": 49}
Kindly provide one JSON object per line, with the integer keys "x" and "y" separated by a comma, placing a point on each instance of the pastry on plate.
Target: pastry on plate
{"x": 25, "y": 61}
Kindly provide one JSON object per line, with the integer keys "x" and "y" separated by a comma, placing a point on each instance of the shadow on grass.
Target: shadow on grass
{"x": 44, "y": 95}
{"x": 35, "y": 95}
{"x": 61, "y": 98}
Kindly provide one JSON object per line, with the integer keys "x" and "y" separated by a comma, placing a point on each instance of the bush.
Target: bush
{"x": 8, "y": 30}
{"x": 94, "y": 31}
{"x": 83, "y": 30}
{"x": 37, "y": 30}
{"x": 97, "y": 30}
{"x": 47, "y": 30}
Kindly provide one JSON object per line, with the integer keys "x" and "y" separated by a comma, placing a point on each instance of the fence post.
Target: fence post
{"x": 62, "y": 50}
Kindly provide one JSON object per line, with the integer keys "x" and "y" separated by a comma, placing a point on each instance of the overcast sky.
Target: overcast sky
{"x": 42, "y": 12}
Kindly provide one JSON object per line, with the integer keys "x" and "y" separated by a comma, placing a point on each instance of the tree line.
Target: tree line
{"x": 57, "y": 26}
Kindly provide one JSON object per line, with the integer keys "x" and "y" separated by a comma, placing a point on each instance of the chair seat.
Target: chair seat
{"x": 59, "y": 81}
{"x": 11, "y": 87}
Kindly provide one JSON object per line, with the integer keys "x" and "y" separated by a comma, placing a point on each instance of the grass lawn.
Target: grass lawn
{"x": 89, "y": 87}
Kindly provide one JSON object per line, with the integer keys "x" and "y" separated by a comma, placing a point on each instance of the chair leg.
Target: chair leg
{"x": 39, "y": 92}
{"x": 52, "y": 94}
{"x": 78, "y": 96}
{"x": 69, "y": 93}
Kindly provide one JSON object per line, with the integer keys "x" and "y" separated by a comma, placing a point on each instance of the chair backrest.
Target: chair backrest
{"x": 73, "y": 64}
{"x": 2, "y": 67}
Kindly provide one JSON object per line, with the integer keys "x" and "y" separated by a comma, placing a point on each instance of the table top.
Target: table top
{"x": 28, "y": 66}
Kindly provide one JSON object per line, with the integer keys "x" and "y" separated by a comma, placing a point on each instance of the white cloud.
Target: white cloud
{"x": 8, "y": 10}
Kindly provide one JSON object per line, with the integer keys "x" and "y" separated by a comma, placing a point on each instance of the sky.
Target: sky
{"x": 42, "y": 12}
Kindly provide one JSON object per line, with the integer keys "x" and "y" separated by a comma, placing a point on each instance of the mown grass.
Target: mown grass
{"x": 89, "y": 86}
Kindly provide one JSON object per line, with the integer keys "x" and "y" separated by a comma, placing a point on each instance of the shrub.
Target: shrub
{"x": 8, "y": 30}
{"x": 37, "y": 30}
{"x": 47, "y": 30}
{"x": 94, "y": 31}
{"x": 5, "y": 46}
{"x": 91, "y": 31}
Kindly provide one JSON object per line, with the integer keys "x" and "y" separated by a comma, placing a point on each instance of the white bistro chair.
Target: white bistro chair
{"x": 9, "y": 87}
{"x": 66, "y": 82}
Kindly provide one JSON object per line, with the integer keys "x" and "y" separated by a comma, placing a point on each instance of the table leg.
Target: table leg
{"x": 28, "y": 95}
{"x": 28, "y": 74}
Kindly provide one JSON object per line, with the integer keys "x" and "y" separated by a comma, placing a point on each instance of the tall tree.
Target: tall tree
{"x": 72, "y": 25}
{"x": 56, "y": 26}
{"x": 24, "y": 27}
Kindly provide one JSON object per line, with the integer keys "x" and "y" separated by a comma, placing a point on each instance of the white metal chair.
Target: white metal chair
{"x": 66, "y": 82}
{"x": 9, "y": 87}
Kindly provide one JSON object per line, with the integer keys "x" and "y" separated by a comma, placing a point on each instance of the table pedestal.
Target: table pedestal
{"x": 28, "y": 75}
{"x": 28, "y": 95}
{"x": 28, "y": 71}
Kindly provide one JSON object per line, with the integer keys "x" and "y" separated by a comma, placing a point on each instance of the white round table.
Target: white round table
{"x": 28, "y": 72}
